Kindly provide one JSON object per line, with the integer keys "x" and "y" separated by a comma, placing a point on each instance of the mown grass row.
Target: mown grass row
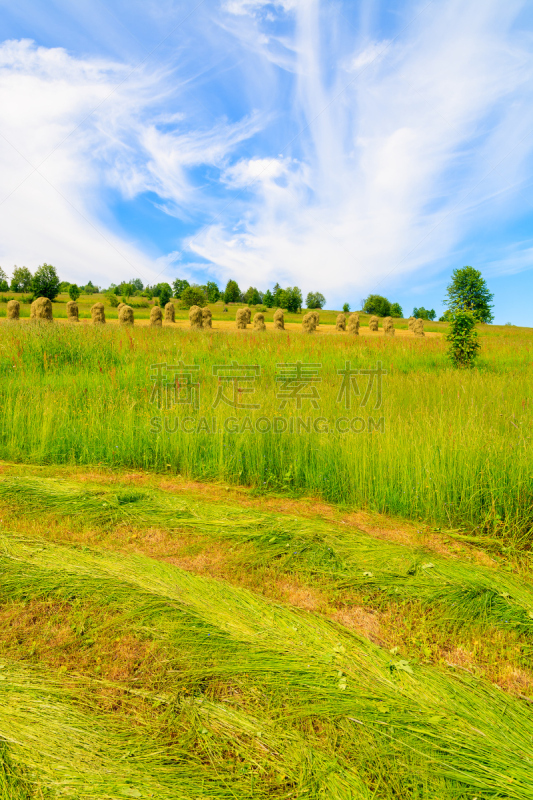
{"x": 235, "y": 695}
{"x": 453, "y": 447}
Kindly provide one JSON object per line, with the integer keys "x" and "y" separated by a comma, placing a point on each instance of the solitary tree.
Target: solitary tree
{"x": 346, "y": 308}
{"x": 21, "y": 279}
{"x": 74, "y": 292}
{"x": 378, "y": 305}
{"x": 4, "y": 286}
{"x": 468, "y": 290}
{"x": 315, "y": 300}
{"x": 45, "y": 282}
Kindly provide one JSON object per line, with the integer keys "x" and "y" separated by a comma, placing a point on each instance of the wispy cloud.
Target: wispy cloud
{"x": 297, "y": 145}
{"x": 71, "y": 129}
{"x": 404, "y": 143}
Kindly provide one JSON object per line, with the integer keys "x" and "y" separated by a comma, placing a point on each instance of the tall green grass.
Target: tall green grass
{"x": 455, "y": 449}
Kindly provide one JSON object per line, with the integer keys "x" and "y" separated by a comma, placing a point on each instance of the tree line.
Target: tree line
{"x": 467, "y": 292}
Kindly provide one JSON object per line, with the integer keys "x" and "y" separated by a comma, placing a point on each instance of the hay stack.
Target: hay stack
{"x": 316, "y": 315}
{"x": 98, "y": 314}
{"x": 156, "y": 317}
{"x": 243, "y": 318}
{"x": 120, "y": 305}
{"x": 13, "y": 309}
{"x": 170, "y": 313}
{"x": 248, "y": 314}
{"x": 418, "y": 327}
{"x": 353, "y": 324}
{"x": 72, "y": 311}
{"x": 373, "y": 323}
{"x": 411, "y": 323}
{"x": 125, "y": 315}
{"x": 195, "y": 317}
{"x": 279, "y": 320}
{"x": 206, "y": 318}
{"x": 41, "y": 309}
{"x": 340, "y": 324}
{"x": 309, "y": 323}
{"x": 259, "y": 322}
{"x": 388, "y": 327}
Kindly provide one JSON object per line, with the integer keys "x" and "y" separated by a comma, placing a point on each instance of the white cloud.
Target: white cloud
{"x": 398, "y": 162}
{"x": 88, "y": 125}
{"x": 373, "y": 160}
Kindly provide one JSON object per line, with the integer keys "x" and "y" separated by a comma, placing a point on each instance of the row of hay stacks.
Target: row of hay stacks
{"x": 41, "y": 309}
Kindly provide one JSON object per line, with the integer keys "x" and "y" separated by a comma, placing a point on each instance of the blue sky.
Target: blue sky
{"x": 346, "y": 147}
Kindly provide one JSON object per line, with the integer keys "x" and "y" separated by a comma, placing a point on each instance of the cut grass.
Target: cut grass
{"x": 236, "y": 695}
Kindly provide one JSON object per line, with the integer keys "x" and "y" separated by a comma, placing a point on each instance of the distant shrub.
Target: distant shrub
{"x": 463, "y": 339}
{"x": 396, "y": 311}
{"x": 73, "y": 292}
{"x": 113, "y": 300}
{"x": 193, "y": 296}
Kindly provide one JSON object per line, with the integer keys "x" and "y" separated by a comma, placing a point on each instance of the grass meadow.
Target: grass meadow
{"x": 201, "y": 600}
{"x": 452, "y": 449}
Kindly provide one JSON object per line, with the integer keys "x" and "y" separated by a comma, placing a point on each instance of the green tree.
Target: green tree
{"x": 45, "y": 282}
{"x": 126, "y": 290}
{"x": 232, "y": 293}
{"x": 73, "y": 292}
{"x": 193, "y": 296}
{"x": 268, "y": 299}
{"x": 378, "y": 305}
{"x": 423, "y": 313}
{"x": 179, "y": 286}
{"x": 137, "y": 284}
{"x": 90, "y": 288}
{"x": 276, "y": 294}
{"x": 253, "y": 296}
{"x": 315, "y": 300}
{"x": 396, "y": 311}
{"x": 165, "y": 295}
{"x": 21, "y": 279}
{"x": 294, "y": 299}
{"x": 346, "y": 308}
{"x": 212, "y": 291}
{"x": 4, "y": 286}
{"x": 468, "y": 290}
{"x": 446, "y": 317}
{"x": 462, "y": 338}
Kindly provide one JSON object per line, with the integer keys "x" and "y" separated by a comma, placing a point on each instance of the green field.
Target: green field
{"x": 230, "y": 613}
